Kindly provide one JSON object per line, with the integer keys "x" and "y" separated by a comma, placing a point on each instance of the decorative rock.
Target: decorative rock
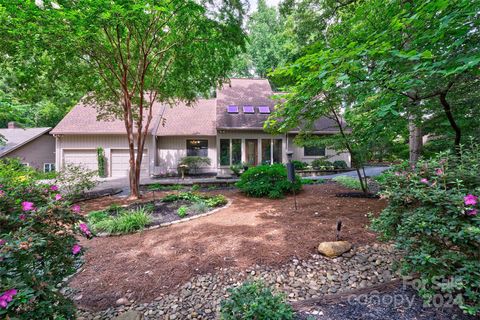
{"x": 334, "y": 248}
{"x": 122, "y": 301}
{"x": 130, "y": 315}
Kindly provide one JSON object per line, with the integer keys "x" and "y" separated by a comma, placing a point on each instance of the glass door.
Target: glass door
{"x": 251, "y": 151}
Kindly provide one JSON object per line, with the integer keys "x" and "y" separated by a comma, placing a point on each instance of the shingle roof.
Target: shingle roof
{"x": 15, "y": 138}
{"x": 82, "y": 119}
{"x": 197, "y": 119}
{"x": 255, "y": 92}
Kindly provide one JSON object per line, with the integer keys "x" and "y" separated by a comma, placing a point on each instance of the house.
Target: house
{"x": 34, "y": 147}
{"x": 228, "y": 129}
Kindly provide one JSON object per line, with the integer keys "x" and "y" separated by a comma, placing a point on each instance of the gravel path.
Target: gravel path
{"x": 315, "y": 277}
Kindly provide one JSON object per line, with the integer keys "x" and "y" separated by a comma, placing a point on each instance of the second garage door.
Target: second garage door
{"x": 85, "y": 158}
{"x": 121, "y": 165}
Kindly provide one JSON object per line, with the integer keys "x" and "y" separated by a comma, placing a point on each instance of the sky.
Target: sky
{"x": 253, "y": 4}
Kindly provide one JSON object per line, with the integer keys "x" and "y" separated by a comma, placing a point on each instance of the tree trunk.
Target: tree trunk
{"x": 415, "y": 140}
{"x": 451, "y": 119}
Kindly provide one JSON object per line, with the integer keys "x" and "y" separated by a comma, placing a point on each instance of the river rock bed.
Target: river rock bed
{"x": 299, "y": 280}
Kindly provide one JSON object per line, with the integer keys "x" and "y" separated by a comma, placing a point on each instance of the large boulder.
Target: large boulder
{"x": 334, "y": 248}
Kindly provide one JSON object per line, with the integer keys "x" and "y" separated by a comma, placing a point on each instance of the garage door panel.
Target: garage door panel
{"x": 121, "y": 163}
{"x": 85, "y": 158}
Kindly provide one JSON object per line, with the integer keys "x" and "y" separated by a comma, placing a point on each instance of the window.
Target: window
{"x": 313, "y": 151}
{"x": 197, "y": 148}
{"x": 248, "y": 109}
{"x": 224, "y": 152}
{"x": 266, "y": 151}
{"x": 232, "y": 109}
{"x": 264, "y": 109}
{"x": 236, "y": 151}
{"x": 48, "y": 167}
{"x": 277, "y": 151}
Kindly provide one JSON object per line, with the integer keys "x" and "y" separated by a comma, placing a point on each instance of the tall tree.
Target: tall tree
{"x": 137, "y": 53}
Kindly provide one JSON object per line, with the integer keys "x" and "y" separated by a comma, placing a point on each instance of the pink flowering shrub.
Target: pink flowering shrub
{"x": 38, "y": 248}
{"x": 433, "y": 214}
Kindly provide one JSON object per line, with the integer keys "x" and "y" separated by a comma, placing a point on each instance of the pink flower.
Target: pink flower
{"x": 84, "y": 228}
{"x": 76, "y": 208}
{"x": 58, "y": 196}
{"x": 76, "y": 249}
{"x": 28, "y": 206}
{"x": 439, "y": 171}
{"x": 54, "y": 188}
{"x": 470, "y": 200}
{"x": 398, "y": 173}
{"x": 2, "y": 242}
{"x": 424, "y": 180}
{"x": 22, "y": 216}
{"x": 2, "y": 193}
{"x": 7, "y": 297}
{"x": 472, "y": 212}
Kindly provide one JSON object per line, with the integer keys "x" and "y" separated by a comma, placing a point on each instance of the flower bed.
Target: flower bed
{"x": 139, "y": 216}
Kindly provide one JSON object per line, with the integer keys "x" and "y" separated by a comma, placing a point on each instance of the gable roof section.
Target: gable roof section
{"x": 82, "y": 119}
{"x": 18, "y": 137}
{"x": 182, "y": 120}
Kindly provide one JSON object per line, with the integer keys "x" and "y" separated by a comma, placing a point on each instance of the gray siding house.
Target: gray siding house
{"x": 34, "y": 147}
{"x": 227, "y": 129}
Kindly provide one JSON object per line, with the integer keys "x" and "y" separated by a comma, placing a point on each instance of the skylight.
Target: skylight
{"x": 232, "y": 109}
{"x": 264, "y": 109}
{"x": 248, "y": 109}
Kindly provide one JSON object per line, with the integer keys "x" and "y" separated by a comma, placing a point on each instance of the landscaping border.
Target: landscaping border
{"x": 166, "y": 224}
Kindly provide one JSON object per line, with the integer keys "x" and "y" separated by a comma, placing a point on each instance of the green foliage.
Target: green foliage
{"x": 299, "y": 165}
{"x": 76, "y": 180}
{"x": 253, "y": 300}
{"x": 123, "y": 222}
{"x": 216, "y": 201}
{"x": 349, "y": 182}
{"x": 211, "y": 201}
{"x": 340, "y": 164}
{"x": 236, "y": 169}
{"x": 268, "y": 181}
{"x": 12, "y": 168}
{"x": 101, "y": 162}
{"x": 196, "y": 187}
{"x": 194, "y": 163}
{"x": 438, "y": 228}
{"x": 322, "y": 164}
{"x": 162, "y": 187}
{"x": 198, "y": 207}
{"x": 37, "y": 236}
{"x": 182, "y": 211}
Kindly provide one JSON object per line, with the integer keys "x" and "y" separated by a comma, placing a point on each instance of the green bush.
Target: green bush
{"x": 268, "y": 181}
{"x": 322, "y": 164}
{"x": 236, "y": 169}
{"x": 12, "y": 168}
{"x": 340, "y": 164}
{"x": 198, "y": 207}
{"x": 252, "y": 301}
{"x": 432, "y": 215}
{"x": 38, "y": 246}
{"x": 211, "y": 201}
{"x": 299, "y": 165}
{"x": 349, "y": 182}
{"x": 194, "y": 163}
{"x": 124, "y": 222}
{"x": 182, "y": 211}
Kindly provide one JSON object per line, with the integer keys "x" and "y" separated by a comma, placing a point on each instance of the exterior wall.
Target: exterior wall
{"x": 259, "y": 135}
{"x": 37, "y": 152}
{"x": 170, "y": 149}
{"x": 107, "y": 142}
{"x": 330, "y": 155}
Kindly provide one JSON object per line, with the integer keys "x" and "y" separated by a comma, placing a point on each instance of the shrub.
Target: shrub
{"x": 253, "y": 300}
{"x": 322, "y": 164}
{"x": 182, "y": 211}
{"x": 432, "y": 215}
{"x": 236, "y": 169}
{"x": 340, "y": 164}
{"x": 196, "y": 187}
{"x": 349, "y": 182}
{"x": 268, "y": 181}
{"x": 38, "y": 248}
{"x": 198, "y": 207}
{"x": 211, "y": 201}
{"x": 101, "y": 162}
{"x": 12, "y": 168}
{"x": 124, "y": 222}
{"x": 194, "y": 163}
{"x": 75, "y": 180}
{"x": 299, "y": 165}
{"x": 216, "y": 201}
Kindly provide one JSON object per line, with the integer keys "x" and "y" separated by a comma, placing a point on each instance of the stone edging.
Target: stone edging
{"x": 166, "y": 224}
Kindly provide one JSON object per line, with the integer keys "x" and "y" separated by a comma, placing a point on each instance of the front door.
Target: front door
{"x": 251, "y": 150}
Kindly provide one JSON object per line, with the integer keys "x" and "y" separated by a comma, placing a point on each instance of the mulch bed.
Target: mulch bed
{"x": 357, "y": 195}
{"x": 250, "y": 231}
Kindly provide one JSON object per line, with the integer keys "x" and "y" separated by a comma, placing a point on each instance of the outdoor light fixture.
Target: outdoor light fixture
{"x": 291, "y": 174}
{"x": 289, "y": 155}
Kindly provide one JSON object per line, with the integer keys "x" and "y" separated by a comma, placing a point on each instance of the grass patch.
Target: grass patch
{"x": 349, "y": 182}
{"x": 123, "y": 222}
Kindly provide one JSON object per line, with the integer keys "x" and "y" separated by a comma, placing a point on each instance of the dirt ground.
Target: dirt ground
{"x": 251, "y": 231}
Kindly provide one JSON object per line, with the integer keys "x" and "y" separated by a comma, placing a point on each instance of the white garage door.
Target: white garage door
{"x": 85, "y": 158}
{"x": 121, "y": 165}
